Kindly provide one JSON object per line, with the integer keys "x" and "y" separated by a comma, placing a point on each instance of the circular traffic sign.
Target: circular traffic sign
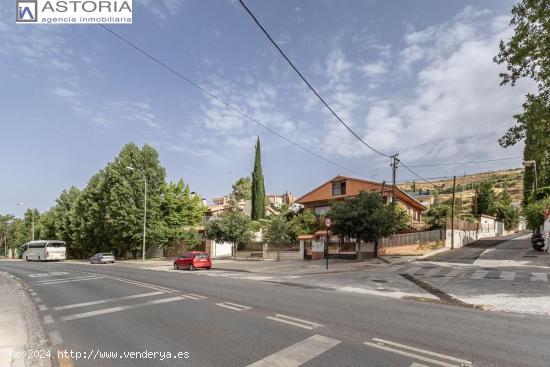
{"x": 328, "y": 222}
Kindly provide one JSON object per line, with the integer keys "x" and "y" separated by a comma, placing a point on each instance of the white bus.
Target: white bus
{"x": 44, "y": 250}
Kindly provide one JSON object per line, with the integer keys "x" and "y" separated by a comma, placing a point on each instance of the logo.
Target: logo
{"x": 26, "y": 11}
{"x": 74, "y": 11}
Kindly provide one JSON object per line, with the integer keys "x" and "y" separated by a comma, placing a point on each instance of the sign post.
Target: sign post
{"x": 328, "y": 223}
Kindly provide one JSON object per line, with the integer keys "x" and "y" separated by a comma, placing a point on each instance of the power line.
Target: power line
{"x": 309, "y": 84}
{"x": 226, "y": 104}
{"x": 464, "y": 163}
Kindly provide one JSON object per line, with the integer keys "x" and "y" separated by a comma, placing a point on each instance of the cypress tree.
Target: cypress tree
{"x": 258, "y": 187}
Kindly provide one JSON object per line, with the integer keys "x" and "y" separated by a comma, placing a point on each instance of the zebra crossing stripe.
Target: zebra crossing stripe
{"x": 507, "y": 275}
{"x": 478, "y": 274}
{"x": 454, "y": 273}
{"x": 432, "y": 272}
{"x": 299, "y": 353}
{"x": 539, "y": 277}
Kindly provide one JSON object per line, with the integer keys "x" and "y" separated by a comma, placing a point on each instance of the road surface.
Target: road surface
{"x": 105, "y": 311}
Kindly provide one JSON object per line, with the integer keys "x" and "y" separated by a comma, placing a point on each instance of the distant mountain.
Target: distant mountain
{"x": 442, "y": 189}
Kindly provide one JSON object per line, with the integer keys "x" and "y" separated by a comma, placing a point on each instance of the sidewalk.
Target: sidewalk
{"x": 20, "y": 325}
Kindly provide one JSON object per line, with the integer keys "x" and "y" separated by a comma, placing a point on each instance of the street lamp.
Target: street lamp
{"x": 144, "y": 209}
{"x": 533, "y": 163}
{"x": 32, "y": 216}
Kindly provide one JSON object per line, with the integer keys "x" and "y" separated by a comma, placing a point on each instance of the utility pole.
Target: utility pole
{"x": 453, "y": 216}
{"x": 394, "y": 161}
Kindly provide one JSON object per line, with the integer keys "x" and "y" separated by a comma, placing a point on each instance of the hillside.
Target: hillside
{"x": 512, "y": 178}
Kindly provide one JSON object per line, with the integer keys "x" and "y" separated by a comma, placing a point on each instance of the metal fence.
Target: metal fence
{"x": 414, "y": 238}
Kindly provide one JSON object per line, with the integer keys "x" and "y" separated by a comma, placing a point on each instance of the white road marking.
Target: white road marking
{"x": 67, "y": 280}
{"x": 119, "y": 308}
{"x": 294, "y": 321}
{"x": 55, "y": 338}
{"x": 299, "y": 353}
{"x": 539, "y": 277}
{"x": 383, "y": 344}
{"x": 432, "y": 272}
{"x": 135, "y": 282}
{"x": 38, "y": 300}
{"x": 414, "y": 364}
{"x": 233, "y": 306}
{"x": 42, "y": 308}
{"x": 478, "y": 274}
{"x": 84, "y": 304}
{"x": 193, "y": 296}
{"x": 507, "y": 275}
{"x": 413, "y": 270}
{"x": 48, "y": 319}
{"x": 454, "y": 273}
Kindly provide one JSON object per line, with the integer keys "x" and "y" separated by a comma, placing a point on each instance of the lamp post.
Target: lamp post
{"x": 533, "y": 163}
{"x": 32, "y": 216}
{"x": 144, "y": 209}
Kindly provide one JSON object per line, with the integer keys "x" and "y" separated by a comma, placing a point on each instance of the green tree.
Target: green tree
{"x": 485, "y": 200}
{"x": 534, "y": 213}
{"x": 258, "y": 188}
{"x": 232, "y": 226}
{"x": 527, "y": 55}
{"x": 366, "y": 218}
{"x": 180, "y": 211}
{"x": 242, "y": 189}
{"x": 437, "y": 216}
{"x": 303, "y": 222}
{"x": 278, "y": 232}
{"x": 505, "y": 210}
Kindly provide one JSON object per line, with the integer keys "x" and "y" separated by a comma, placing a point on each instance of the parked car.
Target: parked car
{"x": 102, "y": 258}
{"x": 193, "y": 260}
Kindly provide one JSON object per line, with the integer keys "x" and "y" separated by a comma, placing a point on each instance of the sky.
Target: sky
{"x": 410, "y": 77}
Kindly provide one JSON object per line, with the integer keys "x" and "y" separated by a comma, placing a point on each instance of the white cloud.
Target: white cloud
{"x": 373, "y": 69}
{"x": 65, "y": 93}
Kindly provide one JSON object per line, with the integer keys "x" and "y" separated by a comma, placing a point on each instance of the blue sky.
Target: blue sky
{"x": 411, "y": 77}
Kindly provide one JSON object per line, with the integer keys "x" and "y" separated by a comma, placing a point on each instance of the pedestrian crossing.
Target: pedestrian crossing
{"x": 475, "y": 274}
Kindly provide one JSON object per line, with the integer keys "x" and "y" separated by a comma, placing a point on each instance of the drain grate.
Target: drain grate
{"x": 444, "y": 298}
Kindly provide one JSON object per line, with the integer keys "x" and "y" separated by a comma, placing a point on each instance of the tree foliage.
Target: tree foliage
{"x": 258, "y": 187}
{"x": 107, "y": 215}
{"x": 278, "y": 230}
{"x": 526, "y": 55}
{"x": 232, "y": 226}
{"x": 366, "y": 218}
{"x": 437, "y": 216}
{"x": 485, "y": 200}
{"x": 242, "y": 189}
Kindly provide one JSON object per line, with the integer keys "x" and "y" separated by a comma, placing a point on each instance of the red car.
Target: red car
{"x": 193, "y": 260}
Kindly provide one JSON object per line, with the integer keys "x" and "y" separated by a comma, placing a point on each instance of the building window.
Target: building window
{"x": 321, "y": 210}
{"x": 338, "y": 188}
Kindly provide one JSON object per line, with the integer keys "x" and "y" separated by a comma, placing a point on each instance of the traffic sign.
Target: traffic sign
{"x": 328, "y": 222}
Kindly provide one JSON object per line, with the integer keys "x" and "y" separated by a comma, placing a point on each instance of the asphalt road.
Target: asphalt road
{"x": 96, "y": 309}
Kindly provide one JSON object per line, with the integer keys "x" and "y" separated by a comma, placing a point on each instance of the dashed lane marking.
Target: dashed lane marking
{"x": 42, "y": 308}
{"x": 84, "y": 304}
{"x": 193, "y": 296}
{"x": 299, "y": 353}
{"x": 233, "y": 306}
{"x": 294, "y": 321}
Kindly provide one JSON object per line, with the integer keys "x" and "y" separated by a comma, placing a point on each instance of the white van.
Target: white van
{"x": 44, "y": 250}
